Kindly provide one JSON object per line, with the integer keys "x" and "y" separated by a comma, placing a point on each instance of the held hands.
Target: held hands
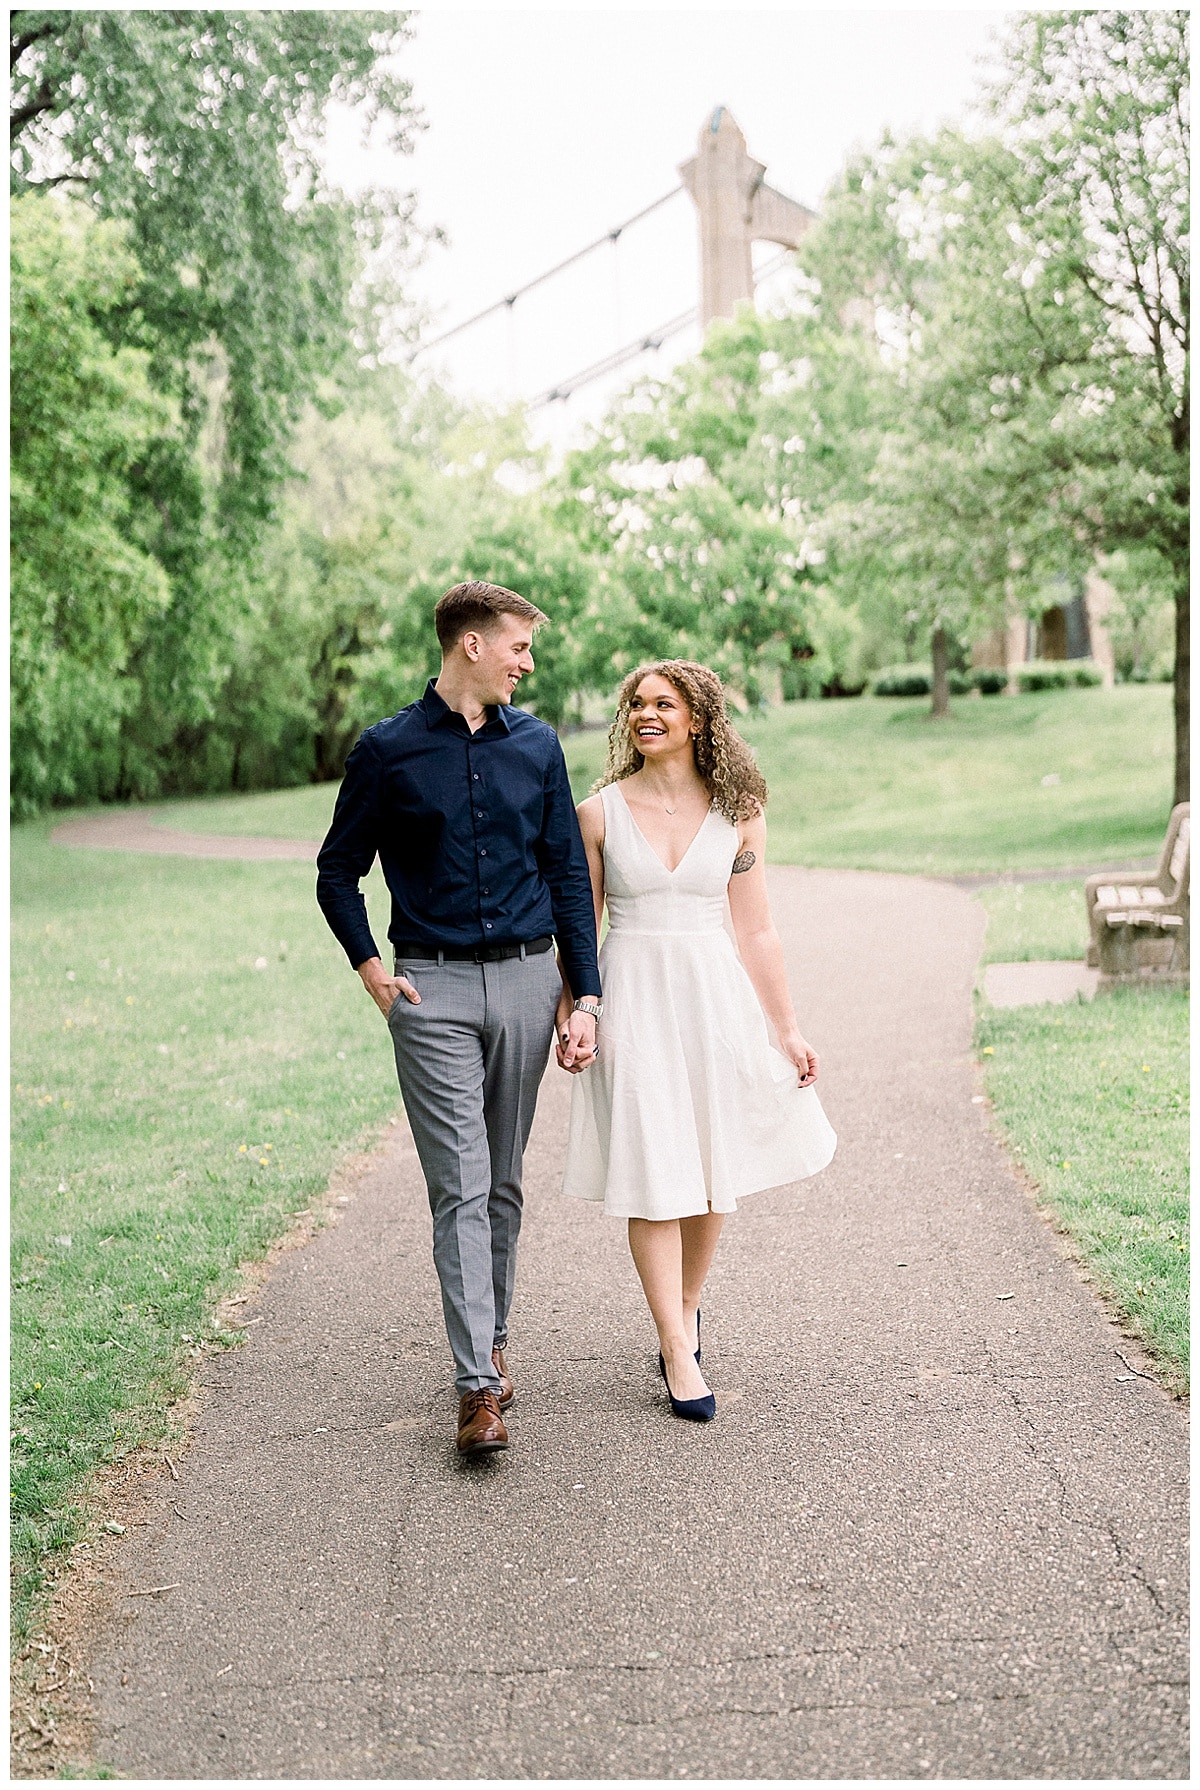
{"x": 383, "y": 988}
{"x": 798, "y": 1052}
{"x": 574, "y": 1037}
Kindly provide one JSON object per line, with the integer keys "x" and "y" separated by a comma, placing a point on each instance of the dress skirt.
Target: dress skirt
{"x": 689, "y": 1106}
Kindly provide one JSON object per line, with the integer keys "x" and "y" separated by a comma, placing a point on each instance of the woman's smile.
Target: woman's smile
{"x": 659, "y": 719}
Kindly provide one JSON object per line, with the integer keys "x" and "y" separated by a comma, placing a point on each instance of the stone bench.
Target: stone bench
{"x": 1141, "y": 926}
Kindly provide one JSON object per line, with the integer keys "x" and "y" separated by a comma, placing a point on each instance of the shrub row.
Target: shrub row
{"x": 917, "y": 680}
{"x": 1058, "y": 674}
{"x": 1037, "y": 674}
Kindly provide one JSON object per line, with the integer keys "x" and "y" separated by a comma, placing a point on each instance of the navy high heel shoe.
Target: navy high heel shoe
{"x": 698, "y": 1410}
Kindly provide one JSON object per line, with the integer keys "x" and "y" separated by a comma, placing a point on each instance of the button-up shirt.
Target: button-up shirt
{"x": 476, "y": 833}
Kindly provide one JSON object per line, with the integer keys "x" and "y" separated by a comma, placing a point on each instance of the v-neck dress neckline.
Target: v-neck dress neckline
{"x": 637, "y": 829}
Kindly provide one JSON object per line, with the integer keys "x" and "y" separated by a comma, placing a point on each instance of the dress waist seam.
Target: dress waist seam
{"x": 672, "y": 932}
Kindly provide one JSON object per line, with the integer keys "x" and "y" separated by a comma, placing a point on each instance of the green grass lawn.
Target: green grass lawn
{"x": 1092, "y": 1098}
{"x": 191, "y": 1056}
{"x": 1035, "y": 922}
{"x": 873, "y": 784}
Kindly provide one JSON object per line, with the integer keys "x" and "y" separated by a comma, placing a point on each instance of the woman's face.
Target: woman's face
{"x": 660, "y": 722}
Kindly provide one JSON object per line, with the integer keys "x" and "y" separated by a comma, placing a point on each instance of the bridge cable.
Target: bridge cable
{"x": 653, "y": 339}
{"x": 503, "y": 304}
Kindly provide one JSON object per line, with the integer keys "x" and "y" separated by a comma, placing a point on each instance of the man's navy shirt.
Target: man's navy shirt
{"x": 476, "y": 833}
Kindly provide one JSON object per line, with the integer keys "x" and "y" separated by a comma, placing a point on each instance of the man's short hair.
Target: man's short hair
{"x": 478, "y": 605}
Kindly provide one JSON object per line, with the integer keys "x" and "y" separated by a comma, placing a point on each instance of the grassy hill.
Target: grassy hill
{"x": 873, "y": 784}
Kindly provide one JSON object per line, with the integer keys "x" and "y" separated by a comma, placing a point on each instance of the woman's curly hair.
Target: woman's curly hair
{"x": 723, "y": 758}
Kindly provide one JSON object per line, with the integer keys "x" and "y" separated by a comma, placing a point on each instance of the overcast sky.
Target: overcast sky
{"x": 548, "y": 127}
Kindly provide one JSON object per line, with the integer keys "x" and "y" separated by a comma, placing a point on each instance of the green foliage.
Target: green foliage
{"x": 987, "y": 681}
{"x": 399, "y": 492}
{"x": 202, "y": 129}
{"x": 917, "y": 680}
{"x": 1140, "y": 621}
{"x": 199, "y": 133}
{"x": 1029, "y": 297}
{"x": 707, "y": 496}
{"x": 980, "y": 392}
{"x": 84, "y": 593}
{"x": 902, "y": 680}
{"x": 1058, "y": 674}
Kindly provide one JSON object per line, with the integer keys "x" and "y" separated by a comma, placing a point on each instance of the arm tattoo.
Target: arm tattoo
{"x": 745, "y": 860}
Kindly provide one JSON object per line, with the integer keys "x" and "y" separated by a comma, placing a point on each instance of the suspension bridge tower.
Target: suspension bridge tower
{"x": 736, "y": 208}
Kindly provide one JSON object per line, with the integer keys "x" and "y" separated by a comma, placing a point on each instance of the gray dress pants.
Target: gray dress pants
{"x": 470, "y": 1058}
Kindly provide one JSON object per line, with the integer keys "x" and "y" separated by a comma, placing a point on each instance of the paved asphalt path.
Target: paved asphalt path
{"x": 140, "y": 830}
{"x": 937, "y": 1530}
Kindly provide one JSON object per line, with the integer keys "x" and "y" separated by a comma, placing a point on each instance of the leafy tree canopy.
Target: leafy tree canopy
{"x": 83, "y": 414}
{"x": 710, "y": 495}
{"x": 201, "y": 130}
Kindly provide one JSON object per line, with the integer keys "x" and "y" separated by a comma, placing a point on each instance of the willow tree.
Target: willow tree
{"x": 199, "y": 132}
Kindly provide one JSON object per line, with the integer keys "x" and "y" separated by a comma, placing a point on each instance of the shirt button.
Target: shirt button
{"x": 479, "y": 814}
{"x": 485, "y": 891}
{"x": 474, "y": 776}
{"x": 487, "y": 926}
{"x": 483, "y": 851}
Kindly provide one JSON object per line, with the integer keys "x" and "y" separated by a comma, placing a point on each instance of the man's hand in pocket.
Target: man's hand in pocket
{"x": 383, "y": 989}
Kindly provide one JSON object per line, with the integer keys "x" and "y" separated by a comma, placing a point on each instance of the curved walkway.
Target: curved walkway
{"x": 938, "y": 1529}
{"x": 134, "y": 829}
{"x": 131, "y": 829}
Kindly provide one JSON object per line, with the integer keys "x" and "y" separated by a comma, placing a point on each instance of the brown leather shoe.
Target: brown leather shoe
{"x": 504, "y": 1397}
{"x": 480, "y": 1426}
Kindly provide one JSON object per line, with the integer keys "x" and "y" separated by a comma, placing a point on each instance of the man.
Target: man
{"x": 467, "y": 804}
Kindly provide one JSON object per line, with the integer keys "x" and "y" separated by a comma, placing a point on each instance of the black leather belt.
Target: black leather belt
{"x": 417, "y": 949}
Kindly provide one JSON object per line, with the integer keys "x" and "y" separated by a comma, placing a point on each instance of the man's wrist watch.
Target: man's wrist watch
{"x": 595, "y": 1008}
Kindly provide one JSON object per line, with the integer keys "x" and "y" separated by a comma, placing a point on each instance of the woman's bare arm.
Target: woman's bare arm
{"x": 760, "y": 947}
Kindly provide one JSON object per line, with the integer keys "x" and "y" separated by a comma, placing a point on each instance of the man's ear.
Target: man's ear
{"x": 472, "y": 644}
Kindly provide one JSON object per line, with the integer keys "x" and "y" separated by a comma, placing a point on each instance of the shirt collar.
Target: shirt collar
{"x": 437, "y": 708}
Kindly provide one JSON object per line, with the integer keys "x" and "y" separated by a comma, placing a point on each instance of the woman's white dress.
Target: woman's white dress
{"x": 689, "y": 1106}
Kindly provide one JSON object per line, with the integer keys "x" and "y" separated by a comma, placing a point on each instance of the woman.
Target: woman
{"x": 687, "y": 1106}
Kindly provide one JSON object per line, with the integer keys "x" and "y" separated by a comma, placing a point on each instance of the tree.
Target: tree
{"x": 1095, "y": 104}
{"x": 199, "y": 132}
{"x": 1031, "y": 291}
{"x": 83, "y": 415}
{"x": 706, "y": 496}
{"x": 965, "y": 510}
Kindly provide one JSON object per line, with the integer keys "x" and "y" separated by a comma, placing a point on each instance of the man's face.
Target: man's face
{"x": 501, "y": 657}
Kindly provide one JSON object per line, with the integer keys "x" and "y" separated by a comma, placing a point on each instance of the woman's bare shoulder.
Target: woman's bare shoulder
{"x": 591, "y": 817}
